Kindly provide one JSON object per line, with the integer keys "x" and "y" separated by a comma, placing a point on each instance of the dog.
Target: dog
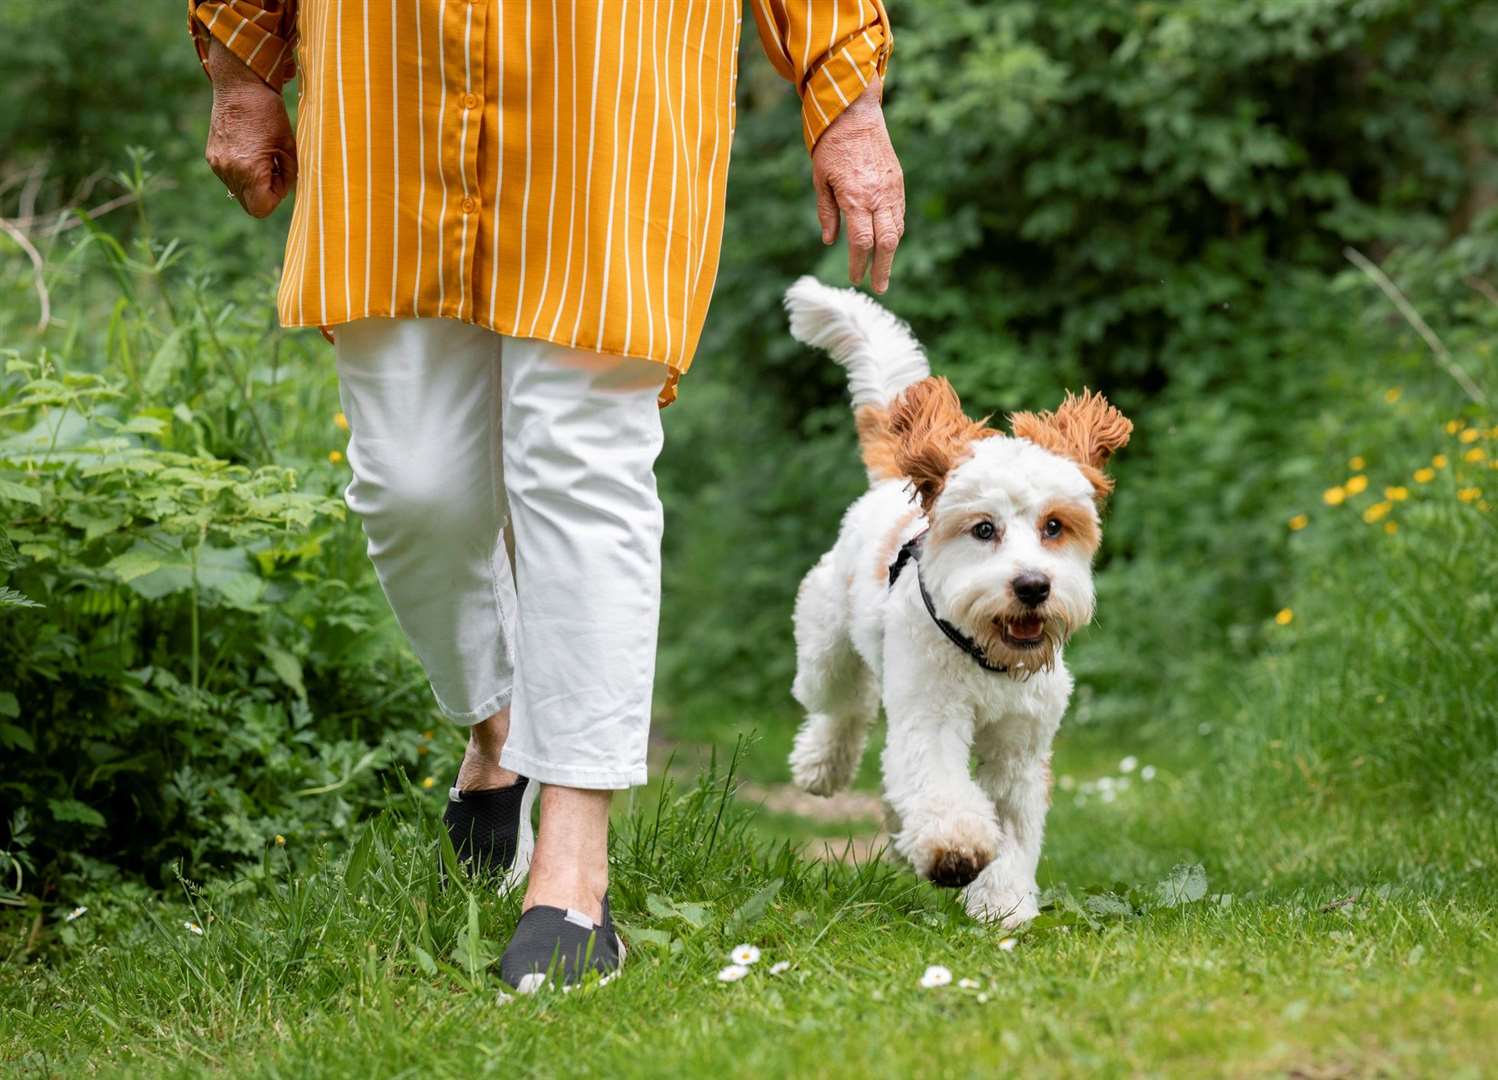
{"x": 953, "y": 586}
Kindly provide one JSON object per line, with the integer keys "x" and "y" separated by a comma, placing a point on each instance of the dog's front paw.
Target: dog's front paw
{"x": 950, "y": 852}
{"x": 992, "y": 899}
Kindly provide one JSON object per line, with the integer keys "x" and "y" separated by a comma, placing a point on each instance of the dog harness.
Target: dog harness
{"x": 910, "y": 553}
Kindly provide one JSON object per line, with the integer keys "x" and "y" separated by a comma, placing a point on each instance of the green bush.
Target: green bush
{"x": 193, "y": 657}
{"x": 1148, "y": 198}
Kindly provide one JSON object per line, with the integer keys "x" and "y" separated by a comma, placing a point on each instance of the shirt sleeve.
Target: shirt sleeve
{"x": 262, "y": 33}
{"x": 829, "y": 49}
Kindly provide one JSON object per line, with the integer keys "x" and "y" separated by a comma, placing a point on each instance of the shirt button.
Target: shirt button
{"x": 469, "y": 101}
{"x": 469, "y": 205}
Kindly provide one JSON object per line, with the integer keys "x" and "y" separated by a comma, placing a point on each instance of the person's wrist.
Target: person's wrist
{"x": 231, "y": 75}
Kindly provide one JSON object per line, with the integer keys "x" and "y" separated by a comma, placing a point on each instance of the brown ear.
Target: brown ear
{"x": 931, "y": 435}
{"x": 1085, "y": 429}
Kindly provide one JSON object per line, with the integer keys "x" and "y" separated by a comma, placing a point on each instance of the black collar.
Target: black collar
{"x": 910, "y": 553}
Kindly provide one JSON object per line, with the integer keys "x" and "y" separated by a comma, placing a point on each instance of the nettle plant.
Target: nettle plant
{"x": 191, "y": 659}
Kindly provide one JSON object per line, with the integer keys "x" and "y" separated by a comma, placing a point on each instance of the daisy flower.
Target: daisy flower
{"x": 1008, "y": 944}
{"x": 935, "y": 976}
{"x": 968, "y": 984}
{"x": 76, "y": 913}
{"x": 1128, "y": 764}
{"x": 732, "y": 973}
{"x": 744, "y": 955}
{"x": 780, "y": 966}
{"x": 1147, "y": 773}
{"x": 192, "y": 928}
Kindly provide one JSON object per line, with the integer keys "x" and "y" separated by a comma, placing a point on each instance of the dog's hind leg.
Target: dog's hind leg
{"x": 833, "y": 685}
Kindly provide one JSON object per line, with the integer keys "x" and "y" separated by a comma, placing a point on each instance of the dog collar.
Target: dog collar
{"x": 910, "y": 553}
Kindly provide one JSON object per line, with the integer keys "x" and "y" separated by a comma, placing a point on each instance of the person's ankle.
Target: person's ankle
{"x": 578, "y": 888}
{"x": 481, "y": 770}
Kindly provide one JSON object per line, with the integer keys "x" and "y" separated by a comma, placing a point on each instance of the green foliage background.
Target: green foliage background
{"x": 1148, "y": 198}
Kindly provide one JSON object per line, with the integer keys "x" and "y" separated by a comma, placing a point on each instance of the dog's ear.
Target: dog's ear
{"x": 1085, "y": 429}
{"x": 931, "y": 435}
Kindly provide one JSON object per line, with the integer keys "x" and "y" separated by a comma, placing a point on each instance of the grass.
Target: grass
{"x": 1334, "y": 945}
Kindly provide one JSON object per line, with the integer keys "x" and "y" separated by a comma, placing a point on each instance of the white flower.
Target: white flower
{"x": 779, "y": 966}
{"x": 982, "y": 999}
{"x": 936, "y": 975}
{"x": 1147, "y": 773}
{"x": 1066, "y": 781}
{"x": 732, "y": 973}
{"x": 1109, "y": 794}
{"x": 76, "y": 913}
{"x": 968, "y": 984}
{"x": 193, "y": 927}
{"x": 1128, "y": 764}
{"x": 1008, "y": 944}
{"x": 745, "y": 955}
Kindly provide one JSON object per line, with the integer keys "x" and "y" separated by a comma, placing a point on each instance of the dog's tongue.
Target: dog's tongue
{"x": 1027, "y": 628}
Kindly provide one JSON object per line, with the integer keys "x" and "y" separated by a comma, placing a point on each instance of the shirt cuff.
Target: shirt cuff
{"x": 250, "y": 32}
{"x": 840, "y": 78}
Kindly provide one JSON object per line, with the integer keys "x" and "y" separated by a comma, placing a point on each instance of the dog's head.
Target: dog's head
{"x": 1013, "y": 520}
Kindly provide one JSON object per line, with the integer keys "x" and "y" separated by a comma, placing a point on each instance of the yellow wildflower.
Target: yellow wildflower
{"x": 429, "y": 783}
{"x": 335, "y": 456}
{"x": 1470, "y": 435}
{"x": 1284, "y": 617}
{"x": 280, "y": 840}
{"x": 1377, "y": 511}
{"x": 1334, "y": 496}
{"x": 1482, "y": 504}
{"x": 1356, "y": 485}
{"x": 1396, "y": 494}
{"x": 1391, "y": 527}
{"x": 1439, "y": 461}
{"x": 340, "y": 421}
{"x": 423, "y": 749}
{"x": 1357, "y": 464}
{"x": 1469, "y": 494}
{"x": 1298, "y": 522}
{"x": 1475, "y": 454}
{"x": 1391, "y": 395}
{"x": 1424, "y": 475}
{"x": 1453, "y": 426}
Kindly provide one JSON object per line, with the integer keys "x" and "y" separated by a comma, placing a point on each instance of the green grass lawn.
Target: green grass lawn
{"x": 1338, "y": 944}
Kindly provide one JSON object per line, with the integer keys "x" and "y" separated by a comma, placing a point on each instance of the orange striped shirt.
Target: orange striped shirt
{"x": 544, "y": 168}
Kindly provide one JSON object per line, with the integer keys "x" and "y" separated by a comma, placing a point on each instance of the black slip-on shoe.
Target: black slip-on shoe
{"x": 560, "y": 945}
{"x": 491, "y": 828}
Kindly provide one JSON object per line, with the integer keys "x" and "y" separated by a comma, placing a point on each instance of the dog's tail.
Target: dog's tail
{"x": 877, "y": 350}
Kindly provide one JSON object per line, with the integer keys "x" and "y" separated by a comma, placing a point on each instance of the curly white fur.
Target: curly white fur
{"x": 860, "y": 642}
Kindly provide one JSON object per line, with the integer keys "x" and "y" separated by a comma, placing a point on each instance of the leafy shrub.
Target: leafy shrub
{"x": 192, "y": 656}
{"x": 1147, "y": 198}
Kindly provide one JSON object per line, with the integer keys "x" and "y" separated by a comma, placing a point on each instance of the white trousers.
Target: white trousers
{"x": 454, "y": 429}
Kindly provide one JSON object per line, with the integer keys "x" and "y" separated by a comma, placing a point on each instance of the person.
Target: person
{"x": 508, "y": 218}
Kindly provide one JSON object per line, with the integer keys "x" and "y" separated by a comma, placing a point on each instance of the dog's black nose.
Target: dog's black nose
{"x": 1031, "y": 589}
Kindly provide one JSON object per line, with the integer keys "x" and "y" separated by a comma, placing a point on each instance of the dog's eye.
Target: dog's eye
{"x": 1052, "y": 528}
{"x": 984, "y": 530}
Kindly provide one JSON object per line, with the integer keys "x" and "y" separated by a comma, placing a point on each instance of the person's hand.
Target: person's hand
{"x": 250, "y": 144}
{"x": 856, "y": 173}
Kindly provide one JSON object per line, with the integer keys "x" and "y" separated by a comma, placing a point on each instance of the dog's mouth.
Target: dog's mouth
{"x": 1022, "y": 631}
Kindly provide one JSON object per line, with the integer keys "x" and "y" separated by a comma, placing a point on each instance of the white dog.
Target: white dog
{"x": 954, "y": 583}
